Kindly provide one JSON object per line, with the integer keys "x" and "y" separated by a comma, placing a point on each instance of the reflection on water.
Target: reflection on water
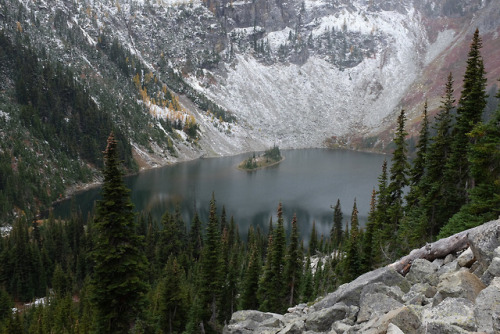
{"x": 307, "y": 182}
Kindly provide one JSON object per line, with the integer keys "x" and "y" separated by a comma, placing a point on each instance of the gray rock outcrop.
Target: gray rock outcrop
{"x": 458, "y": 295}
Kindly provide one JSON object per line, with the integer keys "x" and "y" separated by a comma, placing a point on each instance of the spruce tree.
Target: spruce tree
{"x": 471, "y": 105}
{"x": 418, "y": 168}
{"x": 434, "y": 190}
{"x": 398, "y": 179}
{"x": 118, "y": 280}
{"x": 313, "y": 240}
{"x": 336, "y": 231}
{"x": 293, "y": 266}
{"x": 278, "y": 264}
{"x": 352, "y": 259}
{"x": 367, "y": 246}
{"x": 249, "y": 300}
{"x": 484, "y": 159}
{"x": 211, "y": 276}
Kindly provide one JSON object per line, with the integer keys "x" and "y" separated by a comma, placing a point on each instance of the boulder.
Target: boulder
{"x": 487, "y": 306}
{"x": 322, "y": 320}
{"x": 423, "y": 271}
{"x": 250, "y": 321}
{"x": 449, "y": 258}
{"x": 404, "y": 318}
{"x": 375, "y": 304}
{"x": 340, "y": 327}
{"x": 451, "y": 311}
{"x": 444, "y": 328}
{"x": 296, "y": 327}
{"x": 466, "y": 259}
{"x": 460, "y": 284}
{"x": 448, "y": 268}
{"x": 349, "y": 293}
{"x": 393, "y": 329}
{"x": 484, "y": 240}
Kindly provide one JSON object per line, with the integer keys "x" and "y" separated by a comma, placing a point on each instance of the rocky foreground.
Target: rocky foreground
{"x": 458, "y": 292}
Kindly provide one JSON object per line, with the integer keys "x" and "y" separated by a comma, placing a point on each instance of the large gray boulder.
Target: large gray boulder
{"x": 487, "y": 307}
{"x": 423, "y": 271}
{"x": 349, "y": 293}
{"x": 404, "y": 318}
{"x": 376, "y": 304}
{"x": 460, "y": 284}
{"x": 466, "y": 259}
{"x": 484, "y": 240}
{"x": 322, "y": 320}
{"x": 451, "y": 311}
{"x": 250, "y": 321}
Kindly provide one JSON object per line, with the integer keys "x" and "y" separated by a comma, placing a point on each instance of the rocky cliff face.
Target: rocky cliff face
{"x": 458, "y": 293}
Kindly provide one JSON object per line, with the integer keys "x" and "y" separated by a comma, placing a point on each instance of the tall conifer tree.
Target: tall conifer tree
{"x": 471, "y": 105}
{"x": 434, "y": 188}
{"x": 293, "y": 267}
{"x": 398, "y": 178}
{"x": 336, "y": 231}
{"x": 119, "y": 263}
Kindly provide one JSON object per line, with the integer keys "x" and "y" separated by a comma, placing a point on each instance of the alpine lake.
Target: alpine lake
{"x": 307, "y": 182}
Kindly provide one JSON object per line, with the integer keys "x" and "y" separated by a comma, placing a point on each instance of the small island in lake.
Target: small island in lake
{"x": 270, "y": 157}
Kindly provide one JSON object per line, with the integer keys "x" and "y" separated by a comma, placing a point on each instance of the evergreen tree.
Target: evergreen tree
{"x": 271, "y": 289}
{"x": 313, "y": 241}
{"x": 471, "y": 105}
{"x": 484, "y": 159}
{"x": 119, "y": 264}
{"x": 433, "y": 186}
{"x": 336, "y": 231}
{"x": 195, "y": 238}
{"x": 418, "y": 169}
{"x": 307, "y": 283}
{"x": 293, "y": 266}
{"x": 249, "y": 300}
{"x": 352, "y": 259}
{"x": 367, "y": 259}
{"x": 172, "y": 298}
{"x": 398, "y": 179}
{"x": 211, "y": 276}
{"x": 381, "y": 235}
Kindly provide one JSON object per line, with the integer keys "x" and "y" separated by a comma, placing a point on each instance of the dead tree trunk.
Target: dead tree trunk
{"x": 436, "y": 250}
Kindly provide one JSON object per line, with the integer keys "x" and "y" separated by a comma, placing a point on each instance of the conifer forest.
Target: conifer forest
{"x": 117, "y": 271}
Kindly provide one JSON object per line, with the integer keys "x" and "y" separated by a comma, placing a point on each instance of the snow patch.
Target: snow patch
{"x": 443, "y": 41}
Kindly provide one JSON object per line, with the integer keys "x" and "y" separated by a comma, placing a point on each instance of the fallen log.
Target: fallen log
{"x": 435, "y": 250}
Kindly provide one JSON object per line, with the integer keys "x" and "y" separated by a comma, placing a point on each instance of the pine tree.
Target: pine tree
{"x": 484, "y": 159}
{"x": 171, "y": 308}
{"x": 352, "y": 259}
{"x": 336, "y": 231}
{"x": 434, "y": 189}
{"x": 398, "y": 179}
{"x": 119, "y": 264}
{"x": 249, "y": 300}
{"x": 367, "y": 251}
{"x": 418, "y": 169}
{"x": 293, "y": 266}
{"x": 195, "y": 239}
{"x": 211, "y": 276}
{"x": 271, "y": 289}
{"x": 313, "y": 241}
{"x": 471, "y": 105}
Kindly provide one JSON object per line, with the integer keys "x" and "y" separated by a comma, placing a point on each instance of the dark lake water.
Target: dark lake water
{"x": 307, "y": 183}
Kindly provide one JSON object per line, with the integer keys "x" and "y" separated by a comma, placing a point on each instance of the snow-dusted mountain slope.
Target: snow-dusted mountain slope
{"x": 294, "y": 73}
